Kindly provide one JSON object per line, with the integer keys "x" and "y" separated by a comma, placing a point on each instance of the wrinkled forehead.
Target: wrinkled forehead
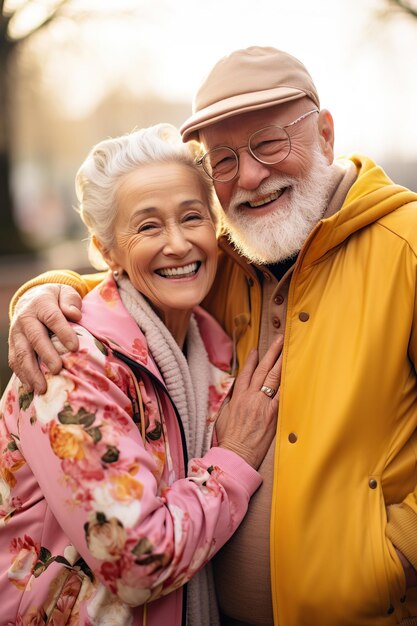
{"x": 237, "y": 129}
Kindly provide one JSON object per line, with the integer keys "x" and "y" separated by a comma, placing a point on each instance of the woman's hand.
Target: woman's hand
{"x": 41, "y": 308}
{"x": 247, "y": 424}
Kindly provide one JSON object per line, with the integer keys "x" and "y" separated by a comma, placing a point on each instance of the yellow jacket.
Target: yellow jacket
{"x": 345, "y": 480}
{"x": 346, "y": 448}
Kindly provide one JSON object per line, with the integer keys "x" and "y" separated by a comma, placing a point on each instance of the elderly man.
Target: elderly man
{"x": 325, "y": 252}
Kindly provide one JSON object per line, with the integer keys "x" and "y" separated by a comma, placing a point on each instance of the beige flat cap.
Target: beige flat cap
{"x": 246, "y": 80}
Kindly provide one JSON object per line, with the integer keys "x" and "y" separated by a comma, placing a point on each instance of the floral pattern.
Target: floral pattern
{"x": 111, "y": 517}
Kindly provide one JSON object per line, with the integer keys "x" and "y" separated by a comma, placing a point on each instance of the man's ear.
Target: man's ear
{"x": 326, "y": 134}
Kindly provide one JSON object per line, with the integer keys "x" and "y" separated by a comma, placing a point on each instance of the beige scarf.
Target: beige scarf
{"x": 187, "y": 383}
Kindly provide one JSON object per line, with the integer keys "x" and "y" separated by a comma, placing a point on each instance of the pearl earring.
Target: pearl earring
{"x": 115, "y": 274}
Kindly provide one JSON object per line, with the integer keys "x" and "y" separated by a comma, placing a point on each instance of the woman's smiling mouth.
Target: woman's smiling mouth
{"x": 185, "y": 271}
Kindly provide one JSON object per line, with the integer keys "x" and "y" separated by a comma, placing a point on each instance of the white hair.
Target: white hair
{"x": 97, "y": 180}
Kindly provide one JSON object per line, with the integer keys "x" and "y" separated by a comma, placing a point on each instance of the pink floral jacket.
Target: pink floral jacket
{"x": 100, "y": 522}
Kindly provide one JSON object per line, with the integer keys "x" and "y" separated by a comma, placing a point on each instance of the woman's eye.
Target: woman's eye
{"x": 191, "y": 217}
{"x": 143, "y": 228}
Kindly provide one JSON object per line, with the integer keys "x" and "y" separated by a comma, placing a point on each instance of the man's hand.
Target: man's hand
{"x": 42, "y": 308}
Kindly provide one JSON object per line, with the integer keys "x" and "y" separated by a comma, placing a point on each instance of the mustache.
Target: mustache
{"x": 272, "y": 184}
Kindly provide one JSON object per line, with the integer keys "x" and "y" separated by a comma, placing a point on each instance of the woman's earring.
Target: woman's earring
{"x": 116, "y": 275}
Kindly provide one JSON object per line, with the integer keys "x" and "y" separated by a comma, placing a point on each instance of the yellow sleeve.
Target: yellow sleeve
{"x": 82, "y": 284}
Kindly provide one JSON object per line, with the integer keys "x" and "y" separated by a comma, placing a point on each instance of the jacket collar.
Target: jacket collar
{"x": 105, "y": 316}
{"x": 372, "y": 196}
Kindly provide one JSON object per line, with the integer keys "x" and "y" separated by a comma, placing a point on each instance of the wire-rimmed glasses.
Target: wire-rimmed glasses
{"x": 269, "y": 145}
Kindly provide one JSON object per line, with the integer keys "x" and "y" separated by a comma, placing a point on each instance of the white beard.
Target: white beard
{"x": 280, "y": 235}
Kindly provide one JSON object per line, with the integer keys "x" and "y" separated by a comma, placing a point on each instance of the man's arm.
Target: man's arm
{"x": 38, "y": 307}
{"x": 402, "y": 517}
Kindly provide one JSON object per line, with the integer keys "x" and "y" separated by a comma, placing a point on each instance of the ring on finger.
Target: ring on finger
{"x": 268, "y": 391}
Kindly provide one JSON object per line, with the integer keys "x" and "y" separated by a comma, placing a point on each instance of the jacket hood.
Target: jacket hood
{"x": 372, "y": 196}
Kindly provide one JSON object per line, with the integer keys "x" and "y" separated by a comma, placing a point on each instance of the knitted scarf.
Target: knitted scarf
{"x": 187, "y": 382}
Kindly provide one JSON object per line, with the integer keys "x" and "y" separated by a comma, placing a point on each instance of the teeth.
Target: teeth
{"x": 270, "y": 198}
{"x": 185, "y": 270}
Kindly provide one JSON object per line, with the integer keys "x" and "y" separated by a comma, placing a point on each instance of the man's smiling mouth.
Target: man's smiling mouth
{"x": 184, "y": 271}
{"x": 254, "y": 204}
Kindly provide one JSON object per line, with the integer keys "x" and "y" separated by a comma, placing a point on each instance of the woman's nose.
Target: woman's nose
{"x": 177, "y": 242}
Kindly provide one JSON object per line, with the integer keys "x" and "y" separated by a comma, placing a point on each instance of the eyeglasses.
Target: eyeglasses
{"x": 269, "y": 145}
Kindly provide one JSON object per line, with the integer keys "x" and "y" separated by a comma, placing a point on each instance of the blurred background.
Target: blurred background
{"x": 73, "y": 72}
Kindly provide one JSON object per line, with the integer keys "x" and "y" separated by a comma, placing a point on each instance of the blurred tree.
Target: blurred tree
{"x": 409, "y": 6}
{"x": 18, "y": 21}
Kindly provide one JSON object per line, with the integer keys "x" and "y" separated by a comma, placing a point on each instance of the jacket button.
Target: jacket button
{"x": 373, "y": 483}
{"x": 276, "y": 322}
{"x": 292, "y": 437}
{"x": 303, "y": 316}
{"x": 250, "y": 282}
{"x": 390, "y": 610}
{"x": 279, "y": 299}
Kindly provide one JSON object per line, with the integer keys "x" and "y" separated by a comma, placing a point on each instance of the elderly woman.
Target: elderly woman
{"x": 111, "y": 494}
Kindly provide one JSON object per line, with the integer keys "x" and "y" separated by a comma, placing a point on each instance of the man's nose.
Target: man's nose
{"x": 251, "y": 172}
{"x": 177, "y": 242}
